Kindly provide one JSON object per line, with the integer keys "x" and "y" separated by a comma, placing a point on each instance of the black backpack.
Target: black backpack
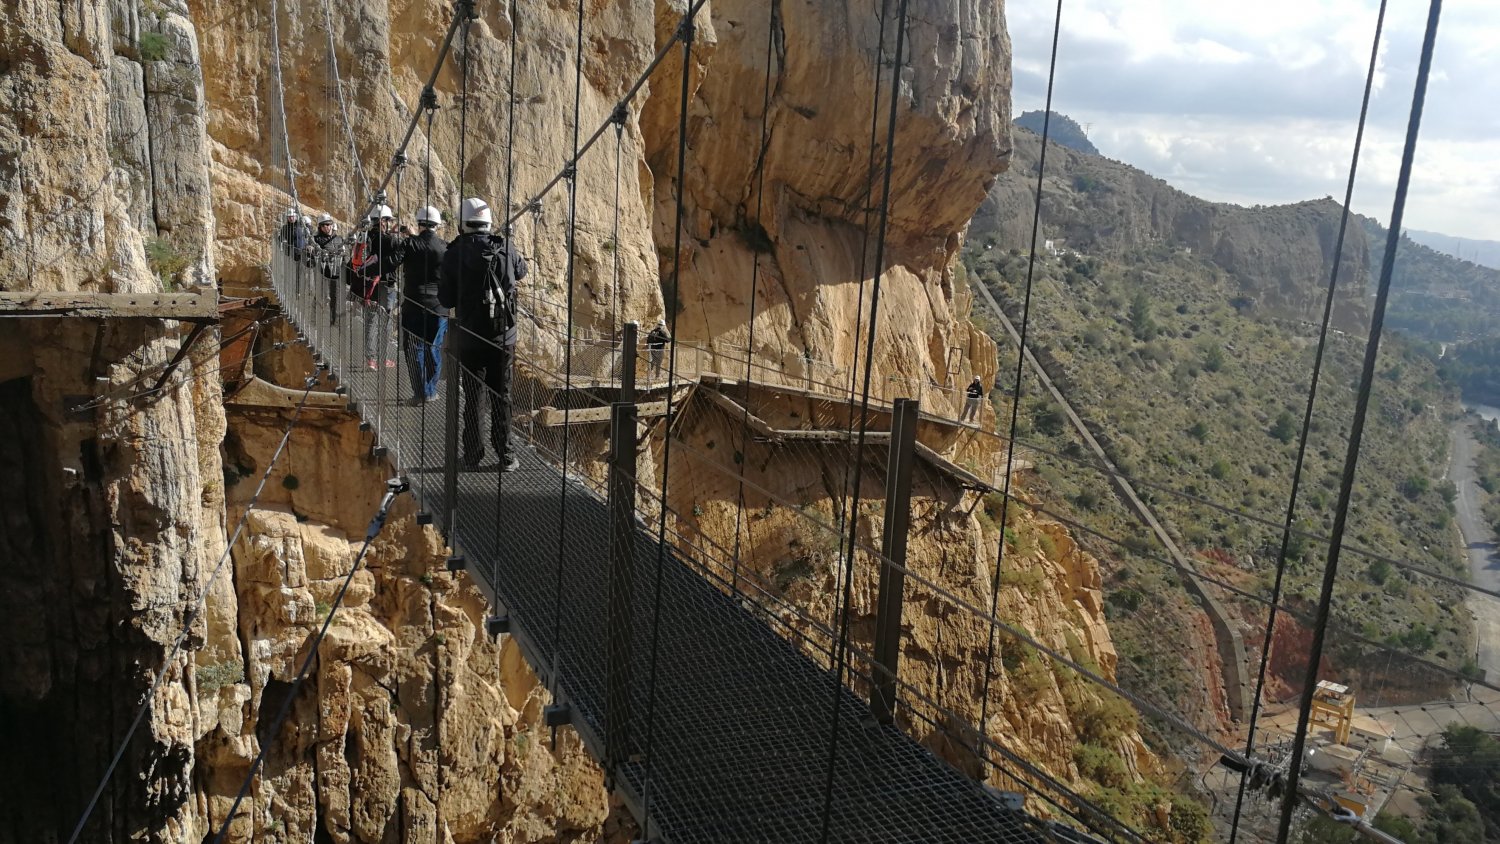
{"x": 497, "y": 309}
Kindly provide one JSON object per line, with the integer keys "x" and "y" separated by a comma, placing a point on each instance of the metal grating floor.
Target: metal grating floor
{"x": 742, "y": 718}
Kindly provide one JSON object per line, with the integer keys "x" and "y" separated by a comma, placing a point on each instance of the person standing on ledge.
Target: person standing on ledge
{"x": 656, "y": 344}
{"x": 480, "y": 271}
{"x": 973, "y": 396}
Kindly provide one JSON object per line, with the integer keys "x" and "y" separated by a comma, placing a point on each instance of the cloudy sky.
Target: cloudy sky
{"x": 1257, "y": 101}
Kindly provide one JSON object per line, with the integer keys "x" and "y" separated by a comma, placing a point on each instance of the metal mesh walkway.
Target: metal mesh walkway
{"x": 740, "y": 723}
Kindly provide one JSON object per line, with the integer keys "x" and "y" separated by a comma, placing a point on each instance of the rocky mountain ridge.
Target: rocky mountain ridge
{"x": 1279, "y": 256}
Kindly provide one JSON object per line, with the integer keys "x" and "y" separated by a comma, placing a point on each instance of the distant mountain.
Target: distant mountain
{"x": 1064, "y": 130}
{"x": 1434, "y": 295}
{"x": 1278, "y": 257}
{"x": 1483, "y": 252}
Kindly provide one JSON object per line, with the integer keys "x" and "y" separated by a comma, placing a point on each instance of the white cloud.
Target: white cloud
{"x": 1257, "y": 103}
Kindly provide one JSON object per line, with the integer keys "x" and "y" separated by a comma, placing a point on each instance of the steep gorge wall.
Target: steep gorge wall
{"x": 112, "y": 516}
{"x": 111, "y": 140}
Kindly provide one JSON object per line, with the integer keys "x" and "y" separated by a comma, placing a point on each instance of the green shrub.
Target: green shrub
{"x": 1101, "y": 764}
{"x": 166, "y": 261}
{"x": 214, "y": 677}
{"x": 153, "y": 46}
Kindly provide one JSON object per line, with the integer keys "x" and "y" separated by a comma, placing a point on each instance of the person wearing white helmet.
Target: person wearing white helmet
{"x": 305, "y": 231}
{"x": 293, "y": 236}
{"x": 422, "y": 321}
{"x": 328, "y": 252}
{"x": 384, "y": 251}
{"x": 480, "y": 271}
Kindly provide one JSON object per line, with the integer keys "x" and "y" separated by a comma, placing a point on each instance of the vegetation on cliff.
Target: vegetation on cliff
{"x": 1435, "y": 296}
{"x": 1194, "y": 377}
{"x": 1063, "y": 129}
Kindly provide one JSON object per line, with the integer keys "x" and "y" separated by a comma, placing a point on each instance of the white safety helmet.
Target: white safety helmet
{"x": 325, "y": 218}
{"x": 306, "y": 220}
{"x": 475, "y": 213}
{"x": 384, "y": 212}
{"x": 291, "y": 215}
{"x": 430, "y": 215}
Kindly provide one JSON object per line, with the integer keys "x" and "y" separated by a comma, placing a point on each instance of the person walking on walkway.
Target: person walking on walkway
{"x": 328, "y": 250}
{"x": 293, "y": 236}
{"x": 423, "y": 325}
{"x": 973, "y": 396}
{"x": 656, "y": 344}
{"x": 480, "y": 271}
{"x": 375, "y": 292}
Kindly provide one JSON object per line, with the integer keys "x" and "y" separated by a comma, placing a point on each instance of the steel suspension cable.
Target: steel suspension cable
{"x": 1015, "y": 405}
{"x": 461, "y": 15}
{"x": 510, "y": 129}
{"x": 192, "y": 616}
{"x": 569, "y": 273}
{"x": 686, "y": 34}
{"x": 394, "y": 487}
{"x": 614, "y": 241}
{"x": 853, "y": 526}
{"x": 286, "y": 144}
{"x": 1307, "y": 415}
{"x": 760, "y": 198}
{"x": 1356, "y": 431}
{"x": 635, "y": 88}
{"x": 338, "y": 87}
{"x": 846, "y": 511}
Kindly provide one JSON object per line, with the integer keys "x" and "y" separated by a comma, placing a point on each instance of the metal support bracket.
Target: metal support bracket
{"x": 497, "y": 624}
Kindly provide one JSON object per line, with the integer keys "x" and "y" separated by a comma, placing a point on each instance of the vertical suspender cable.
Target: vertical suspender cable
{"x": 286, "y": 144}
{"x": 1357, "y": 430}
{"x": 562, "y": 509}
{"x": 760, "y": 197}
{"x": 1015, "y": 405}
{"x": 688, "y": 33}
{"x": 841, "y": 651}
{"x": 333, "y": 64}
{"x": 1307, "y": 414}
{"x": 614, "y": 242}
{"x": 510, "y": 129}
{"x": 845, "y": 508}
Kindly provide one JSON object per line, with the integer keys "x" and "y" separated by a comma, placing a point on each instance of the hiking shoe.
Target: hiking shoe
{"x": 370, "y": 363}
{"x": 390, "y": 364}
{"x": 510, "y": 464}
{"x": 472, "y": 461}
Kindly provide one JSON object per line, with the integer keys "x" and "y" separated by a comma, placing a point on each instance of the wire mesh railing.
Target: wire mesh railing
{"x": 538, "y": 542}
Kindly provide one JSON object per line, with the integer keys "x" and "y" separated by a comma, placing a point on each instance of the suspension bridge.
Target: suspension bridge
{"x": 720, "y": 707}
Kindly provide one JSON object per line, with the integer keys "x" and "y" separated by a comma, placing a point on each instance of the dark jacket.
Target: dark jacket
{"x": 328, "y": 250}
{"x": 421, "y": 310}
{"x": 657, "y": 339}
{"x": 975, "y": 389}
{"x": 384, "y": 252}
{"x": 463, "y": 282}
{"x": 293, "y": 238}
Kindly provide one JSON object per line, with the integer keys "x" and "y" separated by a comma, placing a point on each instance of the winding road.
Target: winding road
{"x": 1479, "y": 544}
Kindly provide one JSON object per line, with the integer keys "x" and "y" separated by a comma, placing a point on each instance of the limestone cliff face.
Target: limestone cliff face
{"x": 1050, "y": 588}
{"x": 414, "y": 725}
{"x": 808, "y": 224}
{"x": 138, "y": 148}
{"x": 112, "y": 515}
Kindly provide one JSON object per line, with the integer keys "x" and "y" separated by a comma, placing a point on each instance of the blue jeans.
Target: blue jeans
{"x": 424, "y": 360}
